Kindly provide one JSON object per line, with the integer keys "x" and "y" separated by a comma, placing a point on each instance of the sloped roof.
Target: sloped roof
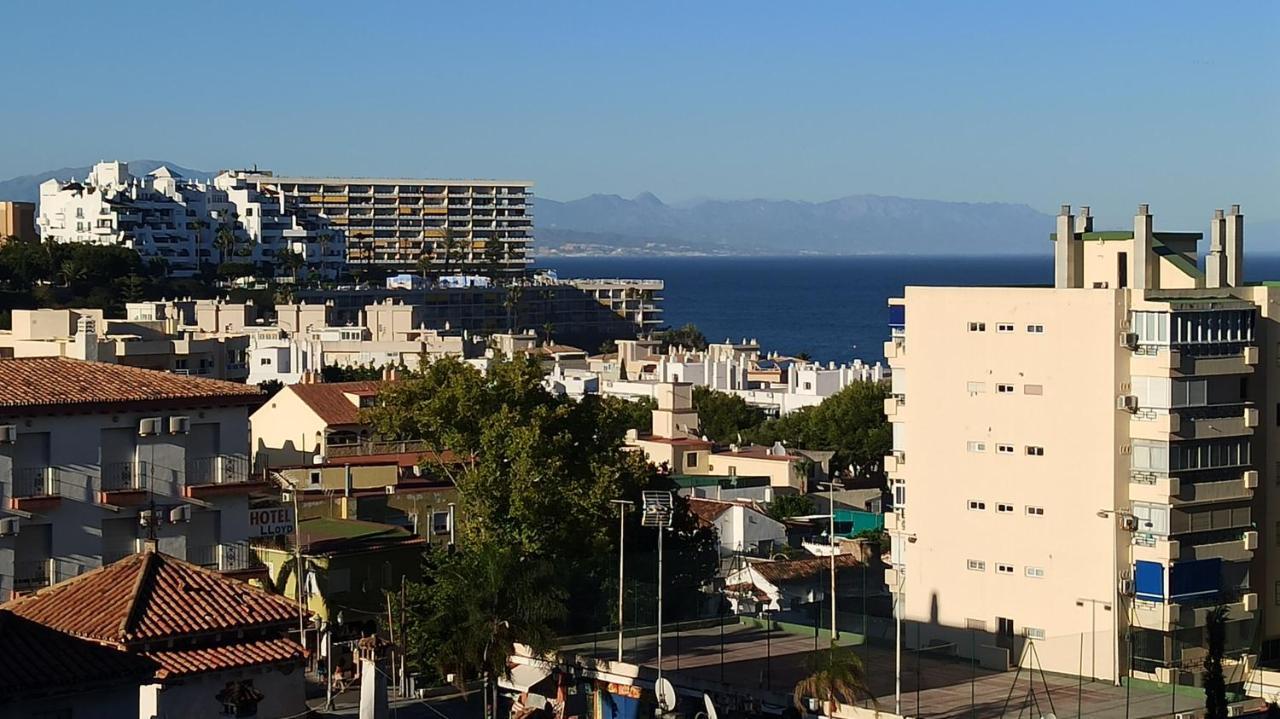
{"x": 36, "y": 660}
{"x": 794, "y": 570}
{"x": 35, "y": 382}
{"x": 329, "y": 401}
{"x": 708, "y": 510}
{"x": 325, "y": 534}
{"x": 151, "y": 596}
{"x": 197, "y": 660}
{"x": 164, "y": 171}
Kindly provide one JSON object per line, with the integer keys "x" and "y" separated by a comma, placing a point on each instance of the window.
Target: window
{"x": 1035, "y": 511}
{"x": 1034, "y": 451}
{"x": 977, "y": 387}
{"x": 248, "y": 212}
{"x": 1150, "y": 456}
{"x": 691, "y": 459}
{"x": 1004, "y": 569}
{"x": 1152, "y": 518}
{"x": 1035, "y": 572}
{"x": 1190, "y": 393}
{"x": 314, "y": 478}
{"x": 1035, "y": 329}
{"x": 1004, "y": 508}
{"x": 976, "y": 565}
{"x": 1004, "y": 449}
{"x": 264, "y": 361}
{"x": 439, "y": 523}
{"x": 1004, "y": 327}
{"x": 1004, "y": 389}
{"x": 1033, "y": 632}
{"x": 977, "y": 326}
{"x": 975, "y": 446}
{"x": 978, "y": 505}
{"x": 975, "y": 624}
{"x": 1033, "y": 389}
{"x": 899, "y": 494}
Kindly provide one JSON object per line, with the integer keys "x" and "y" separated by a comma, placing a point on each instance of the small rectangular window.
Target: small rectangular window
{"x": 977, "y": 387}
{"x": 977, "y": 446}
{"x": 1033, "y": 632}
{"x": 899, "y": 494}
{"x": 314, "y": 478}
{"x": 1035, "y": 511}
{"x": 1004, "y": 389}
{"x": 1004, "y": 327}
{"x": 1004, "y": 508}
{"x": 1004, "y": 569}
{"x": 1004, "y": 449}
{"x": 691, "y": 459}
{"x": 439, "y": 522}
{"x": 1035, "y": 329}
{"x": 975, "y": 624}
{"x": 976, "y": 565}
{"x": 977, "y": 505}
{"x": 977, "y": 326}
{"x": 1034, "y": 451}
{"x": 1035, "y": 572}
{"x": 1033, "y": 389}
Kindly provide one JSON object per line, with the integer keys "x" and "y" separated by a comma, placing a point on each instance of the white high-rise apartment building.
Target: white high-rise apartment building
{"x": 1088, "y": 469}
{"x": 179, "y": 220}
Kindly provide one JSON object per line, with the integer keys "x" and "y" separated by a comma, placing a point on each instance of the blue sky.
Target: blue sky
{"x": 1109, "y": 104}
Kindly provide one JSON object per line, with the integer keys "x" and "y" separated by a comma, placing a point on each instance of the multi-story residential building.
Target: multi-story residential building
{"x": 1085, "y": 467}
{"x": 95, "y": 458}
{"x": 467, "y": 225}
{"x": 17, "y": 220}
{"x": 179, "y": 220}
{"x": 634, "y": 300}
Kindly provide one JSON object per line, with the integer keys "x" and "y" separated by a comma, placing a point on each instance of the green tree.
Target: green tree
{"x": 449, "y": 247}
{"x": 225, "y": 241}
{"x": 1215, "y": 683}
{"x": 634, "y": 414}
{"x": 688, "y": 336}
{"x": 292, "y": 261}
{"x": 514, "y": 294}
{"x": 850, "y": 423}
{"x": 835, "y": 677}
{"x": 723, "y": 416}
{"x": 785, "y": 506}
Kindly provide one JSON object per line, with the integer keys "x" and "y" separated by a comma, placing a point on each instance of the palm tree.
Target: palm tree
{"x": 225, "y": 242}
{"x": 547, "y": 329}
{"x": 199, "y": 227}
{"x": 836, "y": 677}
{"x": 512, "y": 303}
{"x": 293, "y": 261}
{"x": 448, "y": 243}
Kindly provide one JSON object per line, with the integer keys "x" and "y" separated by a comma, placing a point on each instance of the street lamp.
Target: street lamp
{"x": 658, "y": 513}
{"x": 1128, "y": 522}
{"x": 831, "y": 539}
{"x": 623, "y": 506}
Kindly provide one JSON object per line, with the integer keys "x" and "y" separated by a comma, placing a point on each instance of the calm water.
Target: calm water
{"x": 834, "y": 308}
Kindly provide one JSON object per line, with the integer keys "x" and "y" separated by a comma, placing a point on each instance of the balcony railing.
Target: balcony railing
{"x": 217, "y": 469}
{"x": 30, "y": 575}
{"x": 229, "y": 557}
{"x": 35, "y": 482}
{"x": 125, "y": 476}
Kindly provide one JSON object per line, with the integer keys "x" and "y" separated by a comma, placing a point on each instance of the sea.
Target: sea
{"x": 833, "y": 308}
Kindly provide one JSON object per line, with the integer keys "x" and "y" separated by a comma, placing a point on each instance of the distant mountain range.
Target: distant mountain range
{"x": 854, "y": 225}
{"x": 27, "y": 187}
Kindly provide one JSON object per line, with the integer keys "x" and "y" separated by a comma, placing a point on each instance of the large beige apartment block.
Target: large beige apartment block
{"x": 1082, "y": 472}
{"x": 18, "y": 219}
{"x": 451, "y": 225}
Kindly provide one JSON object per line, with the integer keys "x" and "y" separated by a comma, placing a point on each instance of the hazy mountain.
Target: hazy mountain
{"x": 27, "y": 187}
{"x": 859, "y": 224}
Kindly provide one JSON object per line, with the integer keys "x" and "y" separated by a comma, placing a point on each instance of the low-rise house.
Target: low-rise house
{"x": 96, "y": 457}
{"x": 743, "y": 527}
{"x": 45, "y": 673}
{"x": 791, "y": 584}
{"x": 305, "y": 420}
{"x": 219, "y": 646}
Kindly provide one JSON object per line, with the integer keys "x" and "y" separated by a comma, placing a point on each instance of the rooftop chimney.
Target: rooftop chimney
{"x": 1234, "y": 249}
{"x": 1215, "y": 263}
{"x": 1068, "y": 253}
{"x": 1144, "y": 260}
{"x": 1084, "y": 221}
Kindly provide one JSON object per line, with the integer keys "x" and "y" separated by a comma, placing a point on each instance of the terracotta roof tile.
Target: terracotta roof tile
{"x": 329, "y": 401}
{"x": 708, "y": 510}
{"x": 150, "y": 596}
{"x": 57, "y": 381}
{"x": 36, "y": 660}
{"x": 791, "y": 570}
{"x": 181, "y": 662}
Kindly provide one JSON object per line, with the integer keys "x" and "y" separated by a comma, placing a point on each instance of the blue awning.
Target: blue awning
{"x": 897, "y": 316}
{"x": 1148, "y": 581}
{"x": 1199, "y": 578}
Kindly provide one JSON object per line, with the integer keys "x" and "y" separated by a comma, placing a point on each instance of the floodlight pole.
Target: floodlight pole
{"x": 659, "y": 604}
{"x": 831, "y": 539}
{"x": 623, "y": 504}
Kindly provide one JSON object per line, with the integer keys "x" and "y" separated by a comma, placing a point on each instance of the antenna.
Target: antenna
{"x": 666, "y": 694}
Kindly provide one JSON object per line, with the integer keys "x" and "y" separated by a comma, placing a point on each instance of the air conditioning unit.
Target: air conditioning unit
{"x": 900, "y": 455}
{"x": 390, "y": 489}
{"x": 179, "y": 425}
{"x": 1129, "y": 523}
{"x": 145, "y": 517}
{"x": 180, "y": 513}
{"x": 8, "y": 526}
{"x": 1234, "y": 710}
{"x": 1129, "y": 339}
{"x": 1126, "y": 587}
{"x": 8, "y": 433}
{"x": 1186, "y": 715}
{"x": 1127, "y": 402}
{"x": 149, "y": 426}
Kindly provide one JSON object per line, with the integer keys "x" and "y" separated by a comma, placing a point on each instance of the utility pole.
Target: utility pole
{"x": 623, "y": 505}
{"x": 831, "y": 516}
{"x": 658, "y": 513}
{"x": 898, "y": 607}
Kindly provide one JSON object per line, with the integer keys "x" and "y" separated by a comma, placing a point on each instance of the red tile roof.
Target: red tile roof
{"x": 329, "y": 401}
{"x": 46, "y": 382}
{"x": 38, "y": 661}
{"x": 151, "y": 596}
{"x": 197, "y": 660}
{"x": 708, "y": 510}
{"x": 790, "y": 570}
{"x": 755, "y": 451}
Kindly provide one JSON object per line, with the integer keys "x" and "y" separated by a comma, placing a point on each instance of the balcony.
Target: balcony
{"x": 35, "y": 489}
{"x": 1164, "y": 361}
{"x": 30, "y": 575}
{"x": 219, "y": 475}
{"x": 230, "y": 558}
{"x": 1155, "y": 549}
{"x": 892, "y": 405}
{"x": 895, "y": 348}
{"x": 1156, "y": 489}
{"x": 1229, "y": 420}
{"x": 124, "y": 484}
{"x": 1174, "y": 615}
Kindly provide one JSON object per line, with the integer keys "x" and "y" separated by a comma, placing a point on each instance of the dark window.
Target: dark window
{"x": 1122, "y": 269}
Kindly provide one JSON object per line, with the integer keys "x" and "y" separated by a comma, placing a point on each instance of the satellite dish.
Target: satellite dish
{"x": 666, "y": 695}
{"x": 1050, "y": 715}
{"x": 711, "y": 707}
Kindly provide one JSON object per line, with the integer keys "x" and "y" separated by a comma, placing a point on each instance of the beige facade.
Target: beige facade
{"x": 1077, "y": 467}
{"x": 18, "y": 219}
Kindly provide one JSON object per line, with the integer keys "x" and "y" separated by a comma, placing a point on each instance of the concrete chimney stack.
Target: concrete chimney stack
{"x": 1234, "y": 247}
{"x": 1145, "y": 275}
{"x": 1068, "y": 253}
{"x": 1084, "y": 221}
{"x": 1215, "y": 263}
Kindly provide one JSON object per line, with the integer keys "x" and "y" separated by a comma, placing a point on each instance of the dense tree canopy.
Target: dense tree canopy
{"x": 723, "y": 416}
{"x": 850, "y": 423}
{"x": 687, "y": 336}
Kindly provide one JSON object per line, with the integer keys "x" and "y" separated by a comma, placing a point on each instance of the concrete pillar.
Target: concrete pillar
{"x": 1067, "y": 252}
{"x": 1084, "y": 221}
{"x": 373, "y": 690}
{"x": 1215, "y": 263}
{"x": 1144, "y": 260}
{"x": 1235, "y": 247}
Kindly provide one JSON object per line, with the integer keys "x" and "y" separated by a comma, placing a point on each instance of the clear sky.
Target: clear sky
{"x": 1106, "y": 103}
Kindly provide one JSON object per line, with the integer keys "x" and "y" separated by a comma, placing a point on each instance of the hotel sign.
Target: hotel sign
{"x": 270, "y": 521}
